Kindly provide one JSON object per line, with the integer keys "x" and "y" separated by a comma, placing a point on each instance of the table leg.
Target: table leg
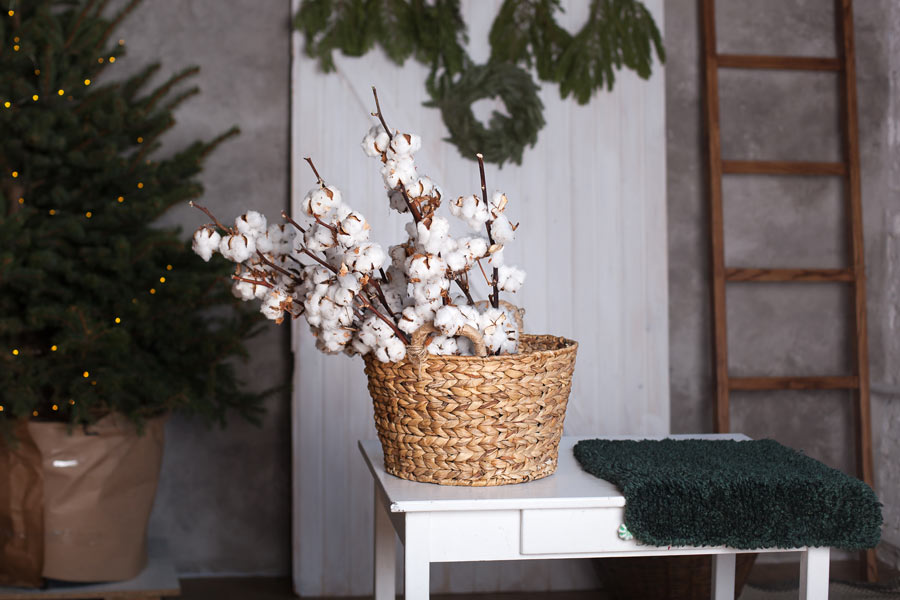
{"x": 385, "y": 552}
{"x": 814, "y": 563}
{"x": 723, "y": 576}
{"x": 416, "y": 562}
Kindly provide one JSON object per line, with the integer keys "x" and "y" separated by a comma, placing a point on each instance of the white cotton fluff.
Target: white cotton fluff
{"x": 450, "y": 319}
{"x": 410, "y": 320}
{"x": 248, "y": 291}
{"x": 395, "y": 293}
{"x": 432, "y": 238}
{"x": 404, "y": 144}
{"x": 334, "y": 340}
{"x": 398, "y": 256}
{"x": 456, "y": 261}
{"x": 424, "y": 268}
{"x": 510, "y": 278}
{"x": 495, "y": 258}
{"x": 427, "y": 309}
{"x": 393, "y": 350}
{"x": 319, "y": 201}
{"x": 352, "y": 230}
{"x": 495, "y": 328}
{"x": 471, "y": 210}
{"x": 502, "y": 230}
{"x": 497, "y": 204}
{"x": 359, "y": 346}
{"x": 350, "y": 281}
{"x": 206, "y": 242}
{"x": 429, "y": 292}
{"x": 274, "y": 305}
{"x": 442, "y": 345}
{"x": 475, "y": 248}
{"x": 251, "y": 223}
{"x": 318, "y": 238}
{"x": 340, "y": 295}
{"x": 376, "y": 141}
{"x": 365, "y": 257}
{"x": 317, "y": 275}
{"x": 397, "y": 201}
{"x": 423, "y": 186}
{"x": 397, "y": 171}
{"x": 237, "y": 248}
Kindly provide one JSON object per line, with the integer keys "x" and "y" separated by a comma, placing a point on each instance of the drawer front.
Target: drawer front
{"x": 574, "y": 530}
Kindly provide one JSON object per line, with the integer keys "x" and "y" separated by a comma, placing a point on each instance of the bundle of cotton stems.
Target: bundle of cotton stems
{"x": 359, "y": 298}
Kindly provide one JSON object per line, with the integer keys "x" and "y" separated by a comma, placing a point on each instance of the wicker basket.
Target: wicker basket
{"x": 473, "y": 420}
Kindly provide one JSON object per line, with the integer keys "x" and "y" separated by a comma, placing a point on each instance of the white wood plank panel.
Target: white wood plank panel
{"x": 591, "y": 199}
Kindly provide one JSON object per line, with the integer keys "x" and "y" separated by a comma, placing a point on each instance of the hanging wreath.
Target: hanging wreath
{"x": 617, "y": 34}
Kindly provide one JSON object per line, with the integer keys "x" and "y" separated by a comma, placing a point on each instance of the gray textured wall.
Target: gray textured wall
{"x": 786, "y": 221}
{"x": 224, "y": 497}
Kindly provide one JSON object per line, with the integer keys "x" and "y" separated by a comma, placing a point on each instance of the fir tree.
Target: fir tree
{"x": 99, "y": 309}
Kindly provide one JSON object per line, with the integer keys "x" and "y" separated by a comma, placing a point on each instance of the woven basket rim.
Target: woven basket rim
{"x": 570, "y": 346}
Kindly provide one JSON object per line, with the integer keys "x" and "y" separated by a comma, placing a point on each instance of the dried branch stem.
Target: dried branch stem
{"x": 287, "y": 218}
{"x": 211, "y": 216}
{"x": 495, "y": 296}
{"x": 254, "y": 282}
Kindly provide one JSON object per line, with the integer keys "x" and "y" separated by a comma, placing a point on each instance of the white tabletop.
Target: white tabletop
{"x": 569, "y": 487}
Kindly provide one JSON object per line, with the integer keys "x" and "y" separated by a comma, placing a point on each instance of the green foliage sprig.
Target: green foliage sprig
{"x": 525, "y": 35}
{"x": 100, "y": 310}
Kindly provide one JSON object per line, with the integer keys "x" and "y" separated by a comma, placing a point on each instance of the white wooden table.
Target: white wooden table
{"x": 570, "y": 514}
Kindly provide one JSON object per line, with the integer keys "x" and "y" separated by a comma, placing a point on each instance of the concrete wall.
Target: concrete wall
{"x": 786, "y": 221}
{"x": 224, "y": 498}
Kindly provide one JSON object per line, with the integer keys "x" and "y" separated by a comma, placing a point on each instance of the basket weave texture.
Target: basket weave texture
{"x": 471, "y": 420}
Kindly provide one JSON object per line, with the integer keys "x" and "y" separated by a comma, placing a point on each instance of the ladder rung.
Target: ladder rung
{"x": 794, "y": 63}
{"x": 848, "y": 382}
{"x": 746, "y": 274}
{"x": 782, "y": 167}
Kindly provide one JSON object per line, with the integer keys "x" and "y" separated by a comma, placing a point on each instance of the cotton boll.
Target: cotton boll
{"x": 449, "y": 320}
{"x": 502, "y": 230}
{"x": 495, "y": 258}
{"x": 376, "y": 142}
{"x": 365, "y": 258}
{"x": 245, "y": 291}
{"x": 430, "y": 291}
{"x": 340, "y": 295}
{"x": 352, "y": 230}
{"x": 237, "y": 248}
{"x": 393, "y": 350}
{"x": 317, "y": 275}
{"x": 251, "y": 223}
{"x": 471, "y": 210}
{"x": 403, "y": 145}
{"x": 497, "y": 204}
{"x": 361, "y": 347}
{"x": 475, "y": 248}
{"x": 274, "y": 305}
{"x": 427, "y": 309}
{"x": 333, "y": 340}
{"x": 350, "y": 281}
{"x": 442, "y": 346}
{"x": 456, "y": 261}
{"x": 398, "y": 256}
{"x": 206, "y": 242}
{"x": 464, "y": 346}
{"x": 422, "y": 186}
{"x": 492, "y": 324}
{"x": 410, "y": 320}
{"x": 431, "y": 238}
{"x": 509, "y": 278}
{"x": 425, "y": 267}
{"x": 319, "y": 201}
{"x": 319, "y": 238}
{"x": 397, "y": 171}
{"x": 397, "y": 201}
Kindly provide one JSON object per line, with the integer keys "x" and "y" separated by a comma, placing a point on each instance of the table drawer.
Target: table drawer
{"x": 574, "y": 530}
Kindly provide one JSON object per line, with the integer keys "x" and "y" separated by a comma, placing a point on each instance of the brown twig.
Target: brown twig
{"x": 482, "y": 271}
{"x": 287, "y": 218}
{"x": 326, "y": 225}
{"x": 307, "y": 252}
{"x": 464, "y": 286}
{"x": 211, "y": 216}
{"x": 380, "y": 115}
{"x": 390, "y": 323}
{"x": 254, "y": 282}
{"x": 319, "y": 179}
{"x": 285, "y": 272}
{"x": 495, "y": 296}
{"x": 380, "y": 292}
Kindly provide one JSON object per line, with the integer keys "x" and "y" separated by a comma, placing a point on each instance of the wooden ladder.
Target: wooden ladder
{"x": 854, "y": 276}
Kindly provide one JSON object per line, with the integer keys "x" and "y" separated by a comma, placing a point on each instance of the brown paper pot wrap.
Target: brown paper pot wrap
{"x": 473, "y": 420}
{"x": 21, "y": 510}
{"x": 99, "y": 486}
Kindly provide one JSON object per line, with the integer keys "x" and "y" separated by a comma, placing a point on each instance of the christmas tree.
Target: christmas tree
{"x": 100, "y": 310}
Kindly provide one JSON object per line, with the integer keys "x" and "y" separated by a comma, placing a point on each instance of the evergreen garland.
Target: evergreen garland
{"x": 524, "y": 35}
{"x": 100, "y": 310}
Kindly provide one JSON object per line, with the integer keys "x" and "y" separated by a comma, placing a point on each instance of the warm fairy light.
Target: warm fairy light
{"x": 120, "y": 199}
{"x": 71, "y": 402}
{"x": 55, "y": 407}
{"x": 16, "y": 47}
{"x": 14, "y": 174}
{"x": 87, "y": 82}
{"x": 162, "y": 279}
{"x": 1, "y": 408}
{"x": 53, "y": 348}
{"x": 168, "y": 267}
{"x": 89, "y": 214}
{"x": 93, "y": 383}
{"x": 15, "y": 351}
{"x": 121, "y": 42}
{"x": 61, "y": 92}
{"x": 34, "y": 413}
{"x": 100, "y": 60}
{"x": 140, "y": 185}
{"x": 152, "y": 290}
{"x": 37, "y": 71}
{"x": 140, "y": 140}
{"x": 16, "y": 39}
{"x": 86, "y": 374}
{"x": 35, "y": 97}
{"x": 134, "y": 300}
{"x": 118, "y": 320}
{"x": 21, "y": 200}
{"x": 11, "y": 12}
{"x": 7, "y": 104}
{"x": 52, "y": 211}
{"x": 112, "y": 59}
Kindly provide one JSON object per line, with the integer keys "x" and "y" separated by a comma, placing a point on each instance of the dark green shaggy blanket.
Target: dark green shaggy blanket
{"x": 747, "y": 494}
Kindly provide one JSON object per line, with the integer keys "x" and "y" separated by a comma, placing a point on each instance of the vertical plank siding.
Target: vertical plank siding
{"x": 591, "y": 200}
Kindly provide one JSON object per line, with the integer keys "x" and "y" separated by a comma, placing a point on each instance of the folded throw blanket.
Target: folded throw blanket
{"x": 740, "y": 494}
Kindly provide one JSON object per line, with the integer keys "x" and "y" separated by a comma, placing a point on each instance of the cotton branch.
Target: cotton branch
{"x": 211, "y": 216}
{"x": 495, "y": 297}
{"x": 390, "y": 323}
{"x": 287, "y": 218}
{"x": 269, "y": 263}
{"x": 313, "y": 167}
{"x": 417, "y": 216}
{"x": 254, "y": 282}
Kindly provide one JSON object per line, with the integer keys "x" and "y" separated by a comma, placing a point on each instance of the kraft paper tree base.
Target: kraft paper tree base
{"x": 21, "y": 510}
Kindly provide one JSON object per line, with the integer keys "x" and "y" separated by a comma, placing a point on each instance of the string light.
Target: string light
{"x": 120, "y": 199}
{"x": 55, "y": 407}
{"x": 7, "y": 104}
{"x": 61, "y": 92}
{"x": 112, "y": 59}
{"x": 152, "y": 290}
{"x": 88, "y": 214}
{"x": 37, "y": 71}
{"x": 15, "y": 351}
{"x": 34, "y": 413}
{"x": 118, "y": 320}
{"x": 168, "y": 267}
{"x": 87, "y": 82}
{"x": 140, "y": 140}
{"x": 35, "y": 97}
{"x": 100, "y": 60}
{"x": 86, "y": 374}
{"x": 16, "y": 47}
{"x": 93, "y": 383}
{"x": 53, "y": 348}
{"x": 16, "y": 39}
{"x": 1, "y": 408}
{"x": 140, "y": 185}
{"x": 52, "y": 211}
{"x": 121, "y": 42}
{"x": 71, "y": 402}
{"x": 162, "y": 279}
{"x": 21, "y": 200}
{"x": 14, "y": 174}
{"x": 134, "y": 300}
{"x": 11, "y": 12}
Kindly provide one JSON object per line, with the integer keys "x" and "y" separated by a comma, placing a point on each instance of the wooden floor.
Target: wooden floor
{"x": 266, "y": 588}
